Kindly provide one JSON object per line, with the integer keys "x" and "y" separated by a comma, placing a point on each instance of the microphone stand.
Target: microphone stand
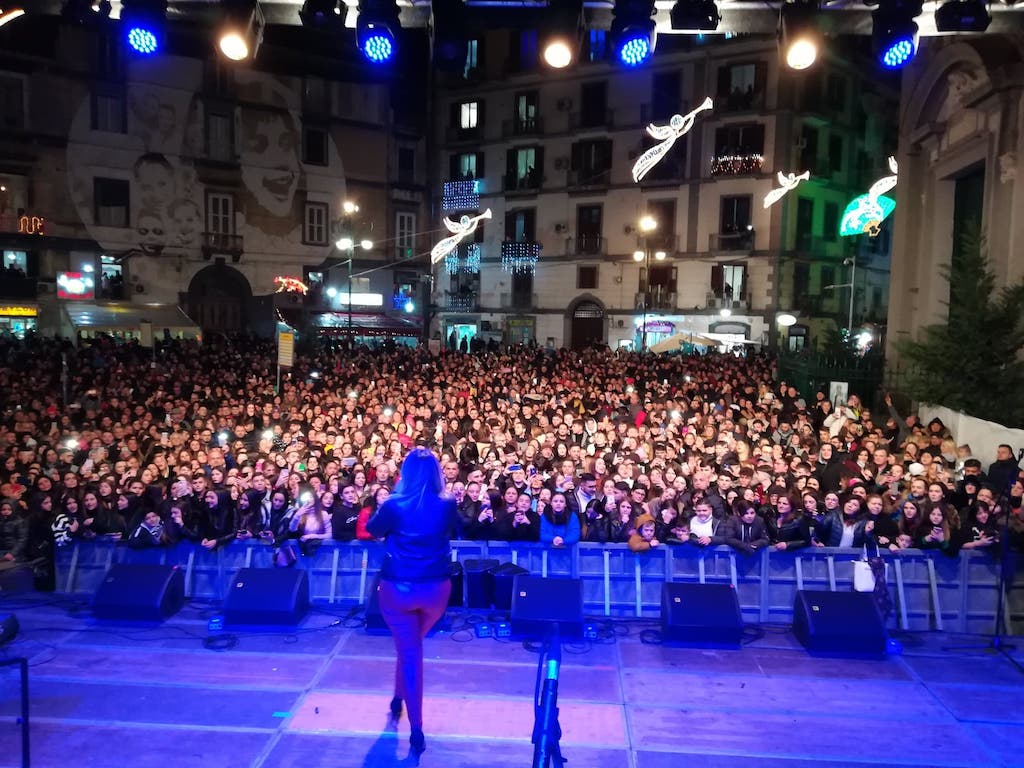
{"x": 997, "y": 643}
{"x": 546, "y": 730}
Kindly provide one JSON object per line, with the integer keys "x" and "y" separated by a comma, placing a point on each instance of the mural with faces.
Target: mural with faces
{"x": 166, "y": 133}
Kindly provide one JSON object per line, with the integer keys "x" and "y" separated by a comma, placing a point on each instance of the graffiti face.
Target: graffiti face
{"x": 270, "y": 161}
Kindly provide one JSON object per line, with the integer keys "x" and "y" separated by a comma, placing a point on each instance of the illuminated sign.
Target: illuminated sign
{"x": 290, "y": 285}
{"x": 18, "y": 312}
{"x": 31, "y": 225}
{"x": 75, "y": 285}
{"x": 865, "y": 214}
{"x": 360, "y": 299}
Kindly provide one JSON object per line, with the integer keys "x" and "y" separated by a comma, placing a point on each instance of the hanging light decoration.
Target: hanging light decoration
{"x": 451, "y": 263}
{"x": 519, "y": 257}
{"x": 472, "y": 263}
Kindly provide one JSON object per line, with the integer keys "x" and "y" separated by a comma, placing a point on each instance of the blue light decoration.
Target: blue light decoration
{"x": 469, "y": 264}
{"x": 899, "y": 53}
{"x": 378, "y": 47}
{"x": 409, "y": 307}
{"x": 635, "y": 50}
{"x": 520, "y": 257}
{"x": 462, "y": 195}
{"x": 472, "y": 262}
{"x": 864, "y": 215}
{"x": 451, "y": 263}
{"x": 143, "y": 40}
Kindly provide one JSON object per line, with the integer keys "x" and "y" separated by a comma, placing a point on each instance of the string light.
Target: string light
{"x": 519, "y": 257}
{"x": 736, "y": 165}
{"x": 463, "y": 195}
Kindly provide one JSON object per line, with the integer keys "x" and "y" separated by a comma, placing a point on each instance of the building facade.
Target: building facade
{"x": 960, "y": 144}
{"x": 563, "y": 260}
{"x": 178, "y": 179}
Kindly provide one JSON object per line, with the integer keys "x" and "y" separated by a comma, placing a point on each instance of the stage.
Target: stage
{"x": 128, "y": 697}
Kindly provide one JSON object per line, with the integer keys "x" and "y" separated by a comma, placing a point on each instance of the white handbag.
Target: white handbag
{"x": 863, "y": 576}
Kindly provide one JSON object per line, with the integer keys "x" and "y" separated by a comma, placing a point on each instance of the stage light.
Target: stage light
{"x": 376, "y": 29}
{"x": 142, "y": 40}
{"x": 697, "y": 15}
{"x": 894, "y": 33}
{"x": 143, "y": 25}
{"x": 241, "y": 30}
{"x": 561, "y": 33}
{"x": 321, "y": 14}
{"x": 799, "y": 35}
{"x": 632, "y": 31}
{"x": 449, "y": 38}
{"x": 962, "y": 16}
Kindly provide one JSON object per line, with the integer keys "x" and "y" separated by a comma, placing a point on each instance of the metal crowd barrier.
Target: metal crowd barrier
{"x": 929, "y": 589}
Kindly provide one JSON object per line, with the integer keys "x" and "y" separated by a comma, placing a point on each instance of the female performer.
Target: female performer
{"x": 416, "y": 522}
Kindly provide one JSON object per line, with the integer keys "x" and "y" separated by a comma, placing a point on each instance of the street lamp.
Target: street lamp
{"x": 647, "y": 225}
{"x": 347, "y": 243}
{"x": 852, "y": 285}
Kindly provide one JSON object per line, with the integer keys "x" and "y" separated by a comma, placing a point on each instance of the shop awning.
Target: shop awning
{"x": 128, "y": 318}
{"x": 366, "y": 324}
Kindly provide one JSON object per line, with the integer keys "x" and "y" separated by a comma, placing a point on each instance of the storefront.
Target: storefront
{"x": 370, "y": 329}
{"x": 128, "y": 322}
{"x": 18, "y": 319}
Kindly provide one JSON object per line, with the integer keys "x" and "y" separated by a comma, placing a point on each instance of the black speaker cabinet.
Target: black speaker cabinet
{"x": 479, "y": 587}
{"x": 701, "y": 615}
{"x": 839, "y": 623}
{"x": 375, "y": 624}
{"x": 140, "y": 593}
{"x": 458, "y": 596}
{"x": 267, "y": 596}
{"x": 539, "y": 602}
{"x": 503, "y": 579}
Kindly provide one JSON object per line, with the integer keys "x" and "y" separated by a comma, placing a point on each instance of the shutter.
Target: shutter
{"x": 510, "y": 167}
{"x": 453, "y": 167}
{"x": 674, "y": 277}
{"x": 576, "y": 161}
{"x": 481, "y": 116}
{"x": 605, "y": 158}
{"x": 453, "y": 117}
{"x": 717, "y": 279}
{"x": 480, "y": 173}
{"x": 643, "y": 279}
{"x": 757, "y": 138}
{"x": 539, "y": 165}
{"x": 724, "y": 82}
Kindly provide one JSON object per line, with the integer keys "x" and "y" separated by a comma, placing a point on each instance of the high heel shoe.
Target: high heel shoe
{"x": 396, "y": 708}
{"x": 417, "y": 743}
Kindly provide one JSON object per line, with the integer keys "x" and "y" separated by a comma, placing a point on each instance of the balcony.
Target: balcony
{"x": 743, "y": 164}
{"x": 659, "y": 113}
{"x": 518, "y": 301}
{"x": 456, "y": 133}
{"x": 587, "y": 245}
{"x": 529, "y": 126}
{"x": 460, "y": 195}
{"x": 742, "y": 240}
{"x": 528, "y": 183}
{"x": 669, "y": 172}
{"x": 520, "y": 256}
{"x": 589, "y": 178}
{"x": 667, "y": 242}
{"x": 658, "y": 298}
{"x": 721, "y": 301}
{"x": 740, "y": 101}
{"x": 592, "y": 119}
{"x": 460, "y": 302}
{"x": 220, "y": 244}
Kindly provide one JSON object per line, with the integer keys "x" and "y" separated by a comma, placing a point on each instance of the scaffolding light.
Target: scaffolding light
{"x": 321, "y": 14}
{"x": 696, "y": 15}
{"x": 143, "y": 24}
{"x": 799, "y": 35}
{"x": 241, "y": 30}
{"x": 962, "y": 16}
{"x": 561, "y": 33}
{"x": 633, "y": 33}
{"x": 449, "y": 37}
{"x": 377, "y": 29}
{"x": 894, "y": 33}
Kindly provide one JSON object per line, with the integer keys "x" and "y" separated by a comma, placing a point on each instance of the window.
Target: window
{"x": 468, "y": 114}
{"x": 735, "y": 214}
{"x": 591, "y": 162}
{"x": 528, "y": 49}
{"x": 666, "y": 88}
{"x": 472, "y": 59}
{"x": 467, "y": 165}
{"x": 804, "y": 222}
{"x": 110, "y": 197}
{"x": 593, "y": 104}
{"x": 108, "y": 113}
{"x": 809, "y": 149}
{"x": 17, "y": 260}
{"x": 524, "y": 168}
{"x": 525, "y": 120}
{"x": 315, "y": 230}
{"x": 835, "y": 154}
{"x": 589, "y": 229}
{"x": 314, "y": 95}
{"x": 741, "y": 87}
{"x": 828, "y": 276}
{"x": 831, "y": 223}
{"x": 220, "y": 213}
{"x": 314, "y": 145}
{"x": 586, "y": 278}
{"x": 597, "y": 45}
{"x": 405, "y": 234}
{"x": 220, "y": 139}
{"x": 12, "y": 102}
{"x": 836, "y": 92}
{"x": 746, "y": 139}
{"x": 406, "y": 165}
{"x": 521, "y": 225}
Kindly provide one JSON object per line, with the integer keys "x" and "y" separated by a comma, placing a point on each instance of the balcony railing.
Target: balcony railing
{"x": 518, "y": 300}
{"x": 529, "y": 182}
{"x": 589, "y": 178}
{"x": 458, "y": 133}
{"x": 530, "y": 126}
{"x": 667, "y": 242}
{"x": 592, "y": 119}
{"x": 727, "y": 301}
{"x": 654, "y": 113}
{"x": 658, "y": 297}
{"x": 732, "y": 241}
{"x": 744, "y": 164}
{"x": 459, "y": 302}
{"x": 740, "y": 101}
{"x": 588, "y": 245}
{"x": 671, "y": 170}
{"x": 221, "y": 243}
{"x": 460, "y": 195}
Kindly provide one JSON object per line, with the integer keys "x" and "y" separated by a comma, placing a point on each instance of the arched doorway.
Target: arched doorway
{"x": 218, "y": 299}
{"x": 587, "y": 324}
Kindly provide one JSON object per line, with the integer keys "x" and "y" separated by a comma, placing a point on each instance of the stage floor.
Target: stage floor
{"x": 125, "y": 697}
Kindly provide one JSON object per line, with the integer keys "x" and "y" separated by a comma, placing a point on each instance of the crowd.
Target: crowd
{"x": 192, "y": 444}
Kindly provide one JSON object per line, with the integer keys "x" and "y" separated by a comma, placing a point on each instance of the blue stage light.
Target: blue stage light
{"x": 143, "y": 40}
{"x": 899, "y": 53}
{"x": 378, "y": 48}
{"x": 635, "y": 50}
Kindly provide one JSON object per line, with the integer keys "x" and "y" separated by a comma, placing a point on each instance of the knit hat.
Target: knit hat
{"x": 646, "y": 517}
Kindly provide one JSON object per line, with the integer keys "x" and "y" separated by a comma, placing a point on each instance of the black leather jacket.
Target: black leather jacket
{"x": 416, "y": 540}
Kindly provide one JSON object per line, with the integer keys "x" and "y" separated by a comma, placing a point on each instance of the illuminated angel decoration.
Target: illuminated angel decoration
{"x": 788, "y": 182}
{"x": 876, "y": 213}
{"x": 885, "y": 183}
{"x": 290, "y": 285}
{"x": 678, "y": 126}
{"x": 460, "y": 230}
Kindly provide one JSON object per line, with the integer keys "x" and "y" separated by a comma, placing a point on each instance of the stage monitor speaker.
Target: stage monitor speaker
{"x": 140, "y": 593}
{"x": 479, "y": 588}
{"x": 8, "y": 628}
{"x": 539, "y": 602}
{"x": 841, "y": 623}
{"x": 701, "y": 615}
{"x": 375, "y": 624}
{"x": 267, "y": 596}
{"x": 502, "y": 581}
{"x": 458, "y": 596}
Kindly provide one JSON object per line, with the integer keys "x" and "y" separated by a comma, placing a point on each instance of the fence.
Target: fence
{"x": 931, "y": 591}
